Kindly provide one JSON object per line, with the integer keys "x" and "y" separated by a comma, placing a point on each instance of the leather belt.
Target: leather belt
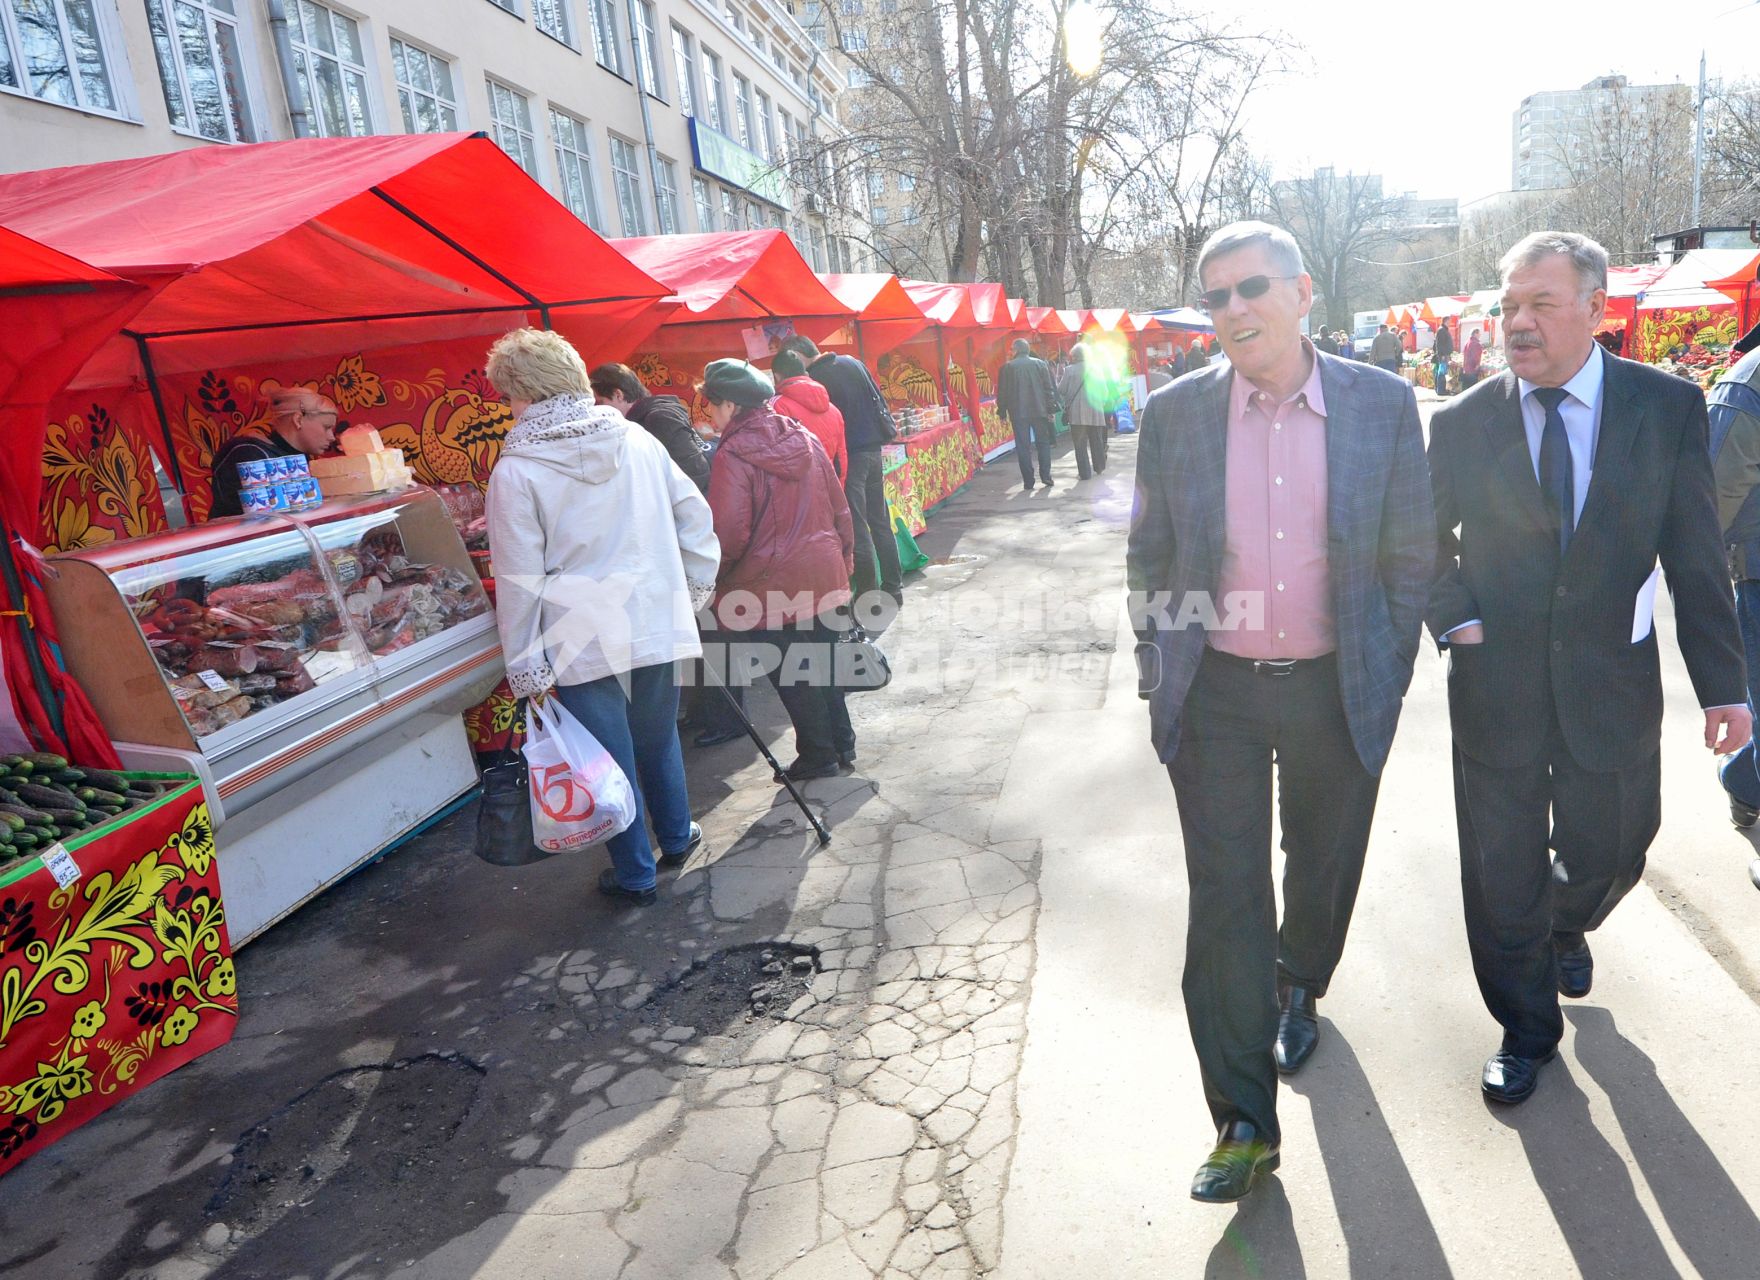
{"x": 1276, "y": 668}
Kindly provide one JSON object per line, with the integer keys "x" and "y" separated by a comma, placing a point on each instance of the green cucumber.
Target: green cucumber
{"x": 48, "y": 796}
{"x": 29, "y": 814}
{"x": 26, "y": 840}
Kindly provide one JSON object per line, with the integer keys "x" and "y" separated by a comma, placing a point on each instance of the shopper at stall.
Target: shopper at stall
{"x": 867, "y": 426}
{"x": 1441, "y": 348}
{"x": 1026, "y": 398}
{"x": 788, "y": 548}
{"x": 799, "y": 397}
{"x": 664, "y": 417}
{"x": 1385, "y": 350}
{"x": 1087, "y": 399}
{"x": 603, "y": 551}
{"x": 300, "y": 421}
{"x": 1472, "y": 358}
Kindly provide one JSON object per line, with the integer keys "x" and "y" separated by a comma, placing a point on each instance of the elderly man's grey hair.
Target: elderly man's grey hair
{"x": 1285, "y": 252}
{"x": 1588, "y": 257}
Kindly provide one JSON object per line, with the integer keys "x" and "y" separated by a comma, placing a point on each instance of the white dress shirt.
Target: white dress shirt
{"x": 1581, "y": 411}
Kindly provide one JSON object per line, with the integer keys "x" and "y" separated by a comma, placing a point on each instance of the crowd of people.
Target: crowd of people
{"x": 634, "y": 553}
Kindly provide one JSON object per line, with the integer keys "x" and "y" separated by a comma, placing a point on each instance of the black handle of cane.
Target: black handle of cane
{"x": 775, "y": 766}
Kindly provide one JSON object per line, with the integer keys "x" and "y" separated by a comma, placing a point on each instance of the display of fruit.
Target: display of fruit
{"x": 45, "y": 799}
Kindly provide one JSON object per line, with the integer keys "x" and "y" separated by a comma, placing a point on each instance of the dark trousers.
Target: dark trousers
{"x": 1517, "y": 894}
{"x": 1038, "y": 435}
{"x": 1238, "y": 728}
{"x": 1392, "y": 366}
{"x": 1741, "y": 772}
{"x": 802, "y": 677}
{"x": 875, "y": 541}
{"x": 1090, "y": 445}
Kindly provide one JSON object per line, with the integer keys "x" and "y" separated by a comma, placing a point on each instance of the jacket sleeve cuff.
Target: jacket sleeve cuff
{"x": 701, "y": 593}
{"x": 531, "y": 681}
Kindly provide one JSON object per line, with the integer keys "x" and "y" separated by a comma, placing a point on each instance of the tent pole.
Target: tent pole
{"x": 140, "y": 343}
{"x": 462, "y": 252}
{"x": 33, "y": 655}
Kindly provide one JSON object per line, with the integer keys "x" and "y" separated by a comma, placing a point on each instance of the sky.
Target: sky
{"x": 1424, "y": 95}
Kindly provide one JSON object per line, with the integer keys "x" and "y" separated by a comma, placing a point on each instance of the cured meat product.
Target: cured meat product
{"x": 275, "y": 613}
{"x": 231, "y": 712}
{"x": 193, "y": 691}
{"x": 227, "y": 662}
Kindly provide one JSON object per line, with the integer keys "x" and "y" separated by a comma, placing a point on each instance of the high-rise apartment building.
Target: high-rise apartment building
{"x": 645, "y": 117}
{"x": 1554, "y": 133}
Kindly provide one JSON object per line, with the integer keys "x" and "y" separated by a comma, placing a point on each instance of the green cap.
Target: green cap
{"x": 735, "y": 380}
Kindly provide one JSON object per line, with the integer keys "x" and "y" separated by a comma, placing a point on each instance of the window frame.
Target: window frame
{"x": 364, "y": 68}
{"x": 492, "y": 82}
{"x": 606, "y": 37}
{"x": 704, "y": 198}
{"x": 666, "y": 196}
{"x": 628, "y": 181}
{"x": 569, "y": 37}
{"x": 582, "y": 153}
{"x": 243, "y": 32}
{"x": 684, "y": 65}
{"x": 766, "y": 127}
{"x": 648, "y": 36}
{"x": 743, "y": 132}
{"x": 112, "y": 54}
{"x": 393, "y": 39}
{"x": 714, "y": 90}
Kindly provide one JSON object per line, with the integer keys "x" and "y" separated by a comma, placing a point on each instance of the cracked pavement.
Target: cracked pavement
{"x": 801, "y": 1064}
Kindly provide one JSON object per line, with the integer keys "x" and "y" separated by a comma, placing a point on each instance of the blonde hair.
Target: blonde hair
{"x": 287, "y": 402}
{"x": 536, "y": 364}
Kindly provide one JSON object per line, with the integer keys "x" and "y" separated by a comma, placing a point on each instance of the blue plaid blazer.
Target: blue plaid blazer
{"x": 1381, "y": 541}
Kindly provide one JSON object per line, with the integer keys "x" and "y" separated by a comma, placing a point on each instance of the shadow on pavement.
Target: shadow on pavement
{"x": 1711, "y": 1219}
{"x": 1387, "y": 1229}
{"x": 1260, "y": 1242}
{"x": 1585, "y": 1181}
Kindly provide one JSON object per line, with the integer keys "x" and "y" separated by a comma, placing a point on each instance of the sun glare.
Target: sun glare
{"x": 1083, "y": 34}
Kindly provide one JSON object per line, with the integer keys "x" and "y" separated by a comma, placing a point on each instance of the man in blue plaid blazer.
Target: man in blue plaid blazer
{"x": 1280, "y": 558}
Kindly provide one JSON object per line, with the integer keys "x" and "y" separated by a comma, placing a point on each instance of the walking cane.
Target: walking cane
{"x": 775, "y": 766}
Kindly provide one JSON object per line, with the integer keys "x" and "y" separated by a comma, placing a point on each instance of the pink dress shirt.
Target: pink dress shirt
{"x": 1275, "y": 523}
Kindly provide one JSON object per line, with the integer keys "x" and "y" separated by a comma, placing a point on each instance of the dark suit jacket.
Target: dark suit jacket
{"x": 1558, "y": 638}
{"x": 1026, "y": 395}
{"x": 1380, "y": 540}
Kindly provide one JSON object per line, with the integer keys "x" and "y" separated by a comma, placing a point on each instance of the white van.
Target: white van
{"x": 1366, "y": 324}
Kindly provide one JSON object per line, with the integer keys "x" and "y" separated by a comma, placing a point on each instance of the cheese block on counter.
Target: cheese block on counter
{"x": 357, "y": 441}
{"x": 362, "y": 473}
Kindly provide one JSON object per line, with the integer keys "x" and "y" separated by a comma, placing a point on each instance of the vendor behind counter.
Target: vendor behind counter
{"x": 301, "y": 421}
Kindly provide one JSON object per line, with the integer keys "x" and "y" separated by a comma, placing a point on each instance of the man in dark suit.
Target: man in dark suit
{"x": 1559, "y": 486}
{"x": 1026, "y": 398}
{"x": 1280, "y": 555}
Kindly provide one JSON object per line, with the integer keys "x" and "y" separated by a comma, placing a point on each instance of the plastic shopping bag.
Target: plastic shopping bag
{"x": 579, "y": 795}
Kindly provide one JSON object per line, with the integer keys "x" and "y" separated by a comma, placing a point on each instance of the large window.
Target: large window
{"x": 424, "y": 89}
{"x": 684, "y": 62}
{"x": 627, "y": 178}
{"x": 668, "y": 194}
{"x": 512, "y": 114}
{"x": 202, "y": 68}
{"x": 742, "y": 112}
{"x": 552, "y": 19}
{"x": 787, "y": 141}
{"x": 605, "y": 35}
{"x": 766, "y": 128}
{"x": 907, "y": 182}
{"x": 649, "y": 35}
{"x": 730, "y": 211}
{"x": 714, "y": 107}
{"x": 331, "y": 68}
{"x": 574, "y": 168}
{"x": 54, "y": 50}
{"x": 876, "y": 185}
{"x": 705, "y": 200}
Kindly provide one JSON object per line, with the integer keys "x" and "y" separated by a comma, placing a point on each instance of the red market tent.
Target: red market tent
{"x": 1742, "y": 286}
{"x": 1048, "y": 321}
{"x": 886, "y": 314}
{"x": 1076, "y": 319}
{"x": 729, "y": 283}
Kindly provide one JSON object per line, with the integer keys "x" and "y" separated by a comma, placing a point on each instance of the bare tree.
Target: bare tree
{"x": 1344, "y": 224}
{"x": 1631, "y": 170}
{"x": 1732, "y": 155}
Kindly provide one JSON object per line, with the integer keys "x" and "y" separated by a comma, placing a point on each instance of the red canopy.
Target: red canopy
{"x": 1075, "y": 319}
{"x": 1048, "y": 321}
{"x": 886, "y": 314}
{"x": 948, "y": 305}
{"x": 735, "y": 280}
{"x": 283, "y": 249}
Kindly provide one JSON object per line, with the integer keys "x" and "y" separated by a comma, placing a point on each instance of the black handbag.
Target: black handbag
{"x": 504, "y": 815}
{"x": 859, "y": 664}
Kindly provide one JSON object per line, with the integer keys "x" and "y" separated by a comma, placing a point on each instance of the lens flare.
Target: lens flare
{"x": 1084, "y": 36}
{"x": 1109, "y": 369}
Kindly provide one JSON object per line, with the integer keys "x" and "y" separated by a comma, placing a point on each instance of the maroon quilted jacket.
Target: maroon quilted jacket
{"x": 782, "y": 521}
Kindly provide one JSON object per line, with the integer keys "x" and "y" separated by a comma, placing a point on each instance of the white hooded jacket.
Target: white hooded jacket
{"x": 603, "y": 549}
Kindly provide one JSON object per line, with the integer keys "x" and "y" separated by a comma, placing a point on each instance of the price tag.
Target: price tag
{"x": 213, "y": 681}
{"x": 61, "y": 865}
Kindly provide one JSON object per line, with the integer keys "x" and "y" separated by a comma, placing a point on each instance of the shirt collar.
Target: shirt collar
{"x": 1311, "y": 393}
{"x": 1584, "y": 386}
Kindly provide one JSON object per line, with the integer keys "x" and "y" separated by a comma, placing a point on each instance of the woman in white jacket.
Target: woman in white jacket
{"x": 603, "y": 552}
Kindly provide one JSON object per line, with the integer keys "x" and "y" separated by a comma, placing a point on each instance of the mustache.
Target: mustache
{"x": 1523, "y": 342}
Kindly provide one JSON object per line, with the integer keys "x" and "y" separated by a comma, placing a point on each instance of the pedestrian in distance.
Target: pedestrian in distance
{"x": 867, "y": 427}
{"x": 1279, "y": 558}
{"x": 1026, "y": 398}
{"x": 1085, "y": 397}
{"x": 1472, "y": 360}
{"x": 788, "y": 549}
{"x": 799, "y": 397}
{"x": 1385, "y": 352}
{"x": 603, "y": 551}
{"x": 1177, "y": 365}
{"x": 1559, "y": 486}
{"x": 662, "y": 416}
{"x": 1441, "y": 350}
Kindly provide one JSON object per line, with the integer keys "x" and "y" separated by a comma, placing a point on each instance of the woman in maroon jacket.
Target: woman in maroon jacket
{"x": 787, "y": 552}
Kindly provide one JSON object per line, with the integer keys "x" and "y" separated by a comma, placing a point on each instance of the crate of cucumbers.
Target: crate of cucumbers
{"x": 45, "y": 801}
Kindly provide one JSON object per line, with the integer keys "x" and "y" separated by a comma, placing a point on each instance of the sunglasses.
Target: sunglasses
{"x": 1250, "y": 288}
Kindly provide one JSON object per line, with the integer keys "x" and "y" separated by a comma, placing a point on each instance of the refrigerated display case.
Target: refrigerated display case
{"x": 309, "y": 667}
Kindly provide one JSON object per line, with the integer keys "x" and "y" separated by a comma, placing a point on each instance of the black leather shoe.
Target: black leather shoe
{"x": 1049, "y": 482}
{"x": 800, "y": 771}
{"x": 1241, "y": 1155}
{"x": 1298, "y": 1029}
{"x": 846, "y": 759}
{"x": 672, "y": 861}
{"x": 1510, "y": 1079}
{"x": 1027, "y": 486}
{"x": 1576, "y": 967}
{"x": 635, "y": 897}
{"x": 1743, "y": 815}
{"x": 715, "y": 737}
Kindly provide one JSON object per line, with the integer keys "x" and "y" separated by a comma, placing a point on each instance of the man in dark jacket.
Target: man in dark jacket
{"x": 664, "y": 417}
{"x": 1734, "y": 408}
{"x": 1027, "y": 399}
{"x": 1440, "y": 350}
{"x": 867, "y": 425}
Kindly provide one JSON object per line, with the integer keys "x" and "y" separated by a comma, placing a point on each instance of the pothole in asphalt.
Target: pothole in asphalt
{"x": 369, "y": 1126}
{"x": 741, "y": 984}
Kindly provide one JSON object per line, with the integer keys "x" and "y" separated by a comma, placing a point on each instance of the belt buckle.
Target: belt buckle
{"x": 1279, "y": 667}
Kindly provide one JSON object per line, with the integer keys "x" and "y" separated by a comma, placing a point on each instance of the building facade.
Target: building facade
{"x": 1553, "y": 132}
{"x": 645, "y": 117}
